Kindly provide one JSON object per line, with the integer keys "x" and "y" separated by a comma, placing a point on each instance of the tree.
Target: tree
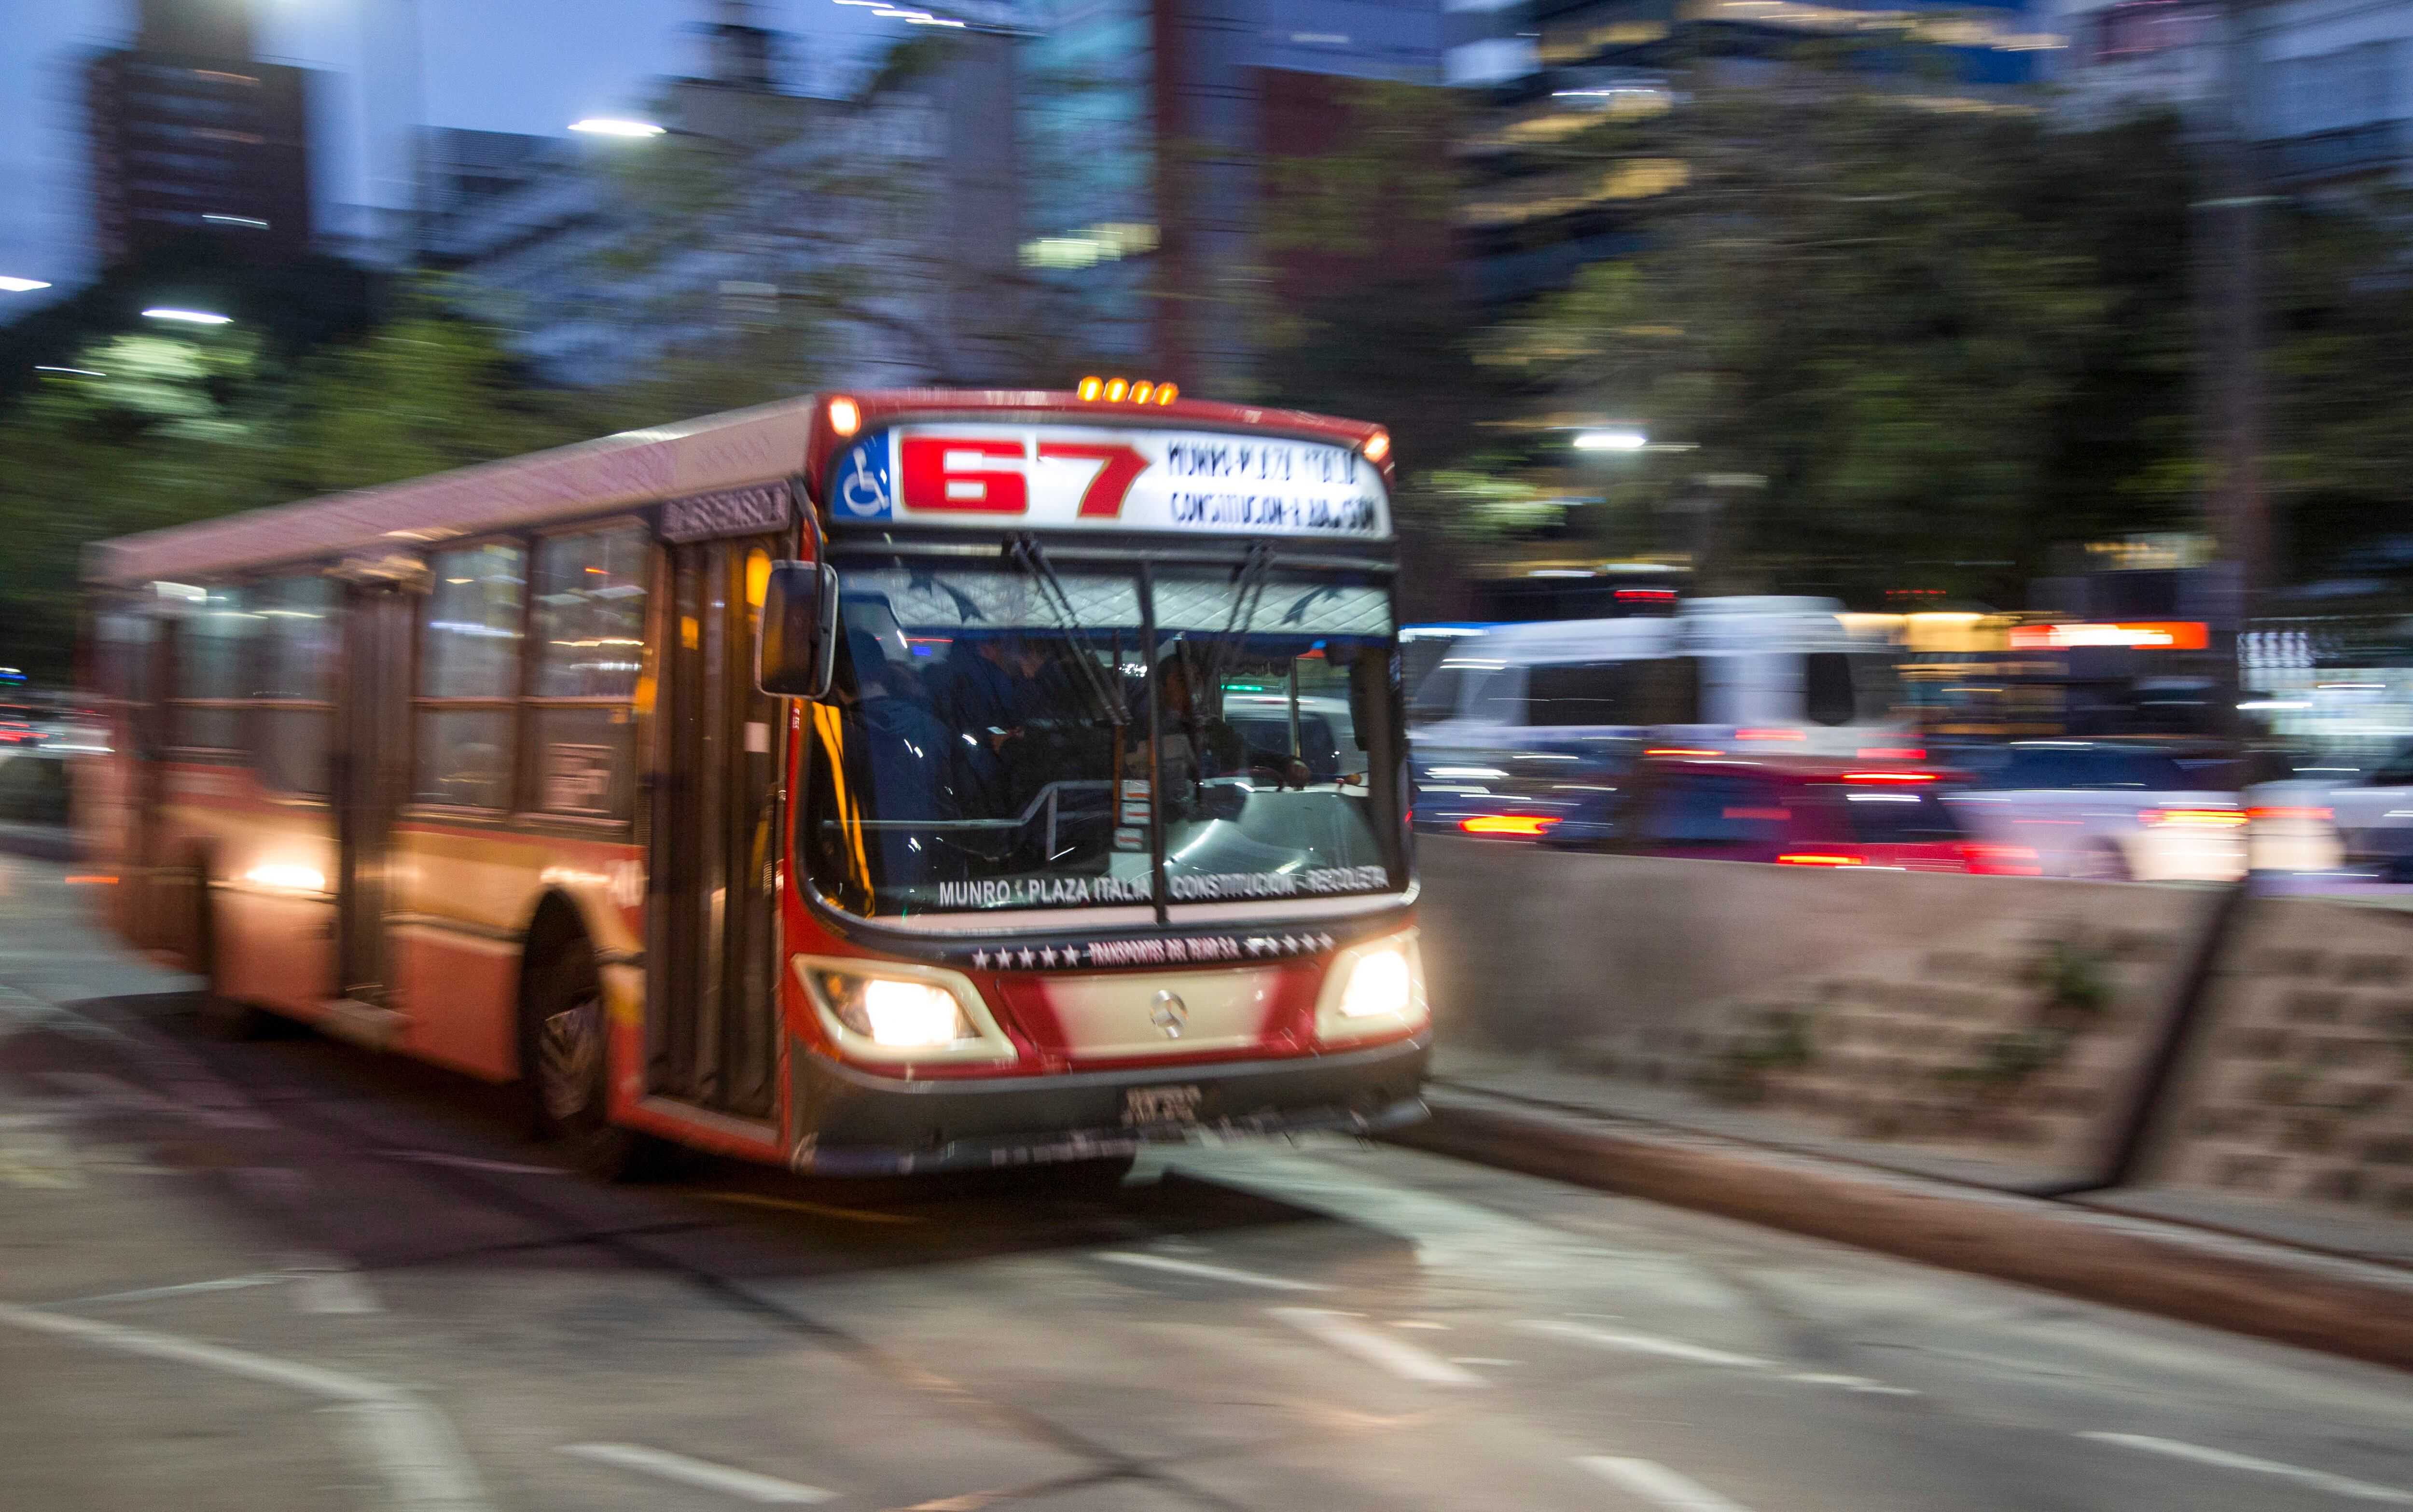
{"x": 2340, "y": 374}
{"x": 1934, "y": 341}
{"x": 160, "y": 429}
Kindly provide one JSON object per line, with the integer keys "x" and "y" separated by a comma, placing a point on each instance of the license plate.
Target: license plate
{"x": 1145, "y": 1107}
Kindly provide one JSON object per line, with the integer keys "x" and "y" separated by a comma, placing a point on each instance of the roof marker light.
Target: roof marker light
{"x": 1140, "y": 391}
{"x": 1115, "y": 389}
{"x": 1167, "y": 393}
{"x": 1092, "y": 387}
{"x": 1377, "y": 447}
{"x": 845, "y": 416}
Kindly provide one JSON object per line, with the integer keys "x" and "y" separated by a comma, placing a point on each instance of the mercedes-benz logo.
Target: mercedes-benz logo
{"x": 1169, "y": 1014}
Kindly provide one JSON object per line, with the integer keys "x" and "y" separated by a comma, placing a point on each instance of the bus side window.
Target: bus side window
{"x": 1500, "y": 697}
{"x": 211, "y": 641}
{"x": 1579, "y": 692}
{"x": 1436, "y": 695}
{"x": 468, "y": 677}
{"x": 1667, "y": 690}
{"x": 1827, "y": 696}
{"x": 588, "y": 620}
{"x": 292, "y": 713}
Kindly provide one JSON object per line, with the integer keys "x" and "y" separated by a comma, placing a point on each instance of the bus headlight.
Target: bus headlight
{"x": 901, "y": 1012}
{"x": 1373, "y": 990}
{"x": 1379, "y": 984}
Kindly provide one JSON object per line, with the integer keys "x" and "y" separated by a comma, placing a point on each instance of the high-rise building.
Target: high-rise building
{"x": 191, "y": 137}
{"x": 1149, "y": 128}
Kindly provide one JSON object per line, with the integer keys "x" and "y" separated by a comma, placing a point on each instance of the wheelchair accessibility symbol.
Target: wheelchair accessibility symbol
{"x": 861, "y": 491}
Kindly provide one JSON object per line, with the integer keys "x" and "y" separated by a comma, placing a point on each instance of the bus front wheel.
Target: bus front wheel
{"x": 565, "y": 1059}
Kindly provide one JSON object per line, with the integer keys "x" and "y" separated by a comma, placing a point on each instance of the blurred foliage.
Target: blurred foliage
{"x": 185, "y": 425}
{"x": 1934, "y": 342}
{"x": 1357, "y": 312}
{"x": 2339, "y": 372}
{"x": 1471, "y": 505}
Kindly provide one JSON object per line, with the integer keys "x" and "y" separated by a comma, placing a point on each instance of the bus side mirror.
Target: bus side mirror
{"x": 795, "y": 651}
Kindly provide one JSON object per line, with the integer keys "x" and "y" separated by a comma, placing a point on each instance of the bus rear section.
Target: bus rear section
{"x": 1084, "y": 826}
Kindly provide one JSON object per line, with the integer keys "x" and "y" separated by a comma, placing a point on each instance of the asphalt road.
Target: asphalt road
{"x": 292, "y": 1274}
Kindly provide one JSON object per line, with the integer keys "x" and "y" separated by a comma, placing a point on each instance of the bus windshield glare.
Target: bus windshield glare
{"x": 966, "y": 761}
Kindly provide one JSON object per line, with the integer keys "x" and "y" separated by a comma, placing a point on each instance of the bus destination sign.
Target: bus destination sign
{"x": 1099, "y": 478}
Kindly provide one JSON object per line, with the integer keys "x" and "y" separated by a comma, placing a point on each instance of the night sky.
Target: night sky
{"x": 495, "y": 65}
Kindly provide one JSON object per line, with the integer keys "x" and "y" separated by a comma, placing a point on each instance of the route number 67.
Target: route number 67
{"x": 944, "y": 475}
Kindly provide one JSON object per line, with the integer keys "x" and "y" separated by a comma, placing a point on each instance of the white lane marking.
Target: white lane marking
{"x": 424, "y": 1460}
{"x": 1481, "y": 1360}
{"x": 1655, "y": 1483}
{"x": 1343, "y": 1331}
{"x": 228, "y": 1284}
{"x": 333, "y": 1291}
{"x": 1850, "y": 1382}
{"x": 2360, "y": 1489}
{"x": 470, "y": 1162}
{"x": 686, "y": 1472}
{"x": 423, "y": 1463}
{"x": 1206, "y": 1272}
{"x": 1643, "y": 1343}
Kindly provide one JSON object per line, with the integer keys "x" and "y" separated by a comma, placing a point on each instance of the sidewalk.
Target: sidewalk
{"x": 2297, "y": 1278}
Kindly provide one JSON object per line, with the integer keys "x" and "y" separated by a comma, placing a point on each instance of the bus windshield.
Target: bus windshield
{"x": 992, "y": 743}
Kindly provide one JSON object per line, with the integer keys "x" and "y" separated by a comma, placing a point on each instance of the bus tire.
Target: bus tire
{"x": 1078, "y": 1178}
{"x": 565, "y": 1056}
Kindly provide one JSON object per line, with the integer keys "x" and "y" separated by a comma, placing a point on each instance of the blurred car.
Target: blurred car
{"x": 1788, "y": 811}
{"x": 2363, "y": 825}
{"x": 2101, "y": 811}
{"x": 1325, "y": 740}
{"x": 21, "y": 725}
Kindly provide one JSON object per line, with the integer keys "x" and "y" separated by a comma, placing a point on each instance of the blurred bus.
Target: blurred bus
{"x": 871, "y": 783}
{"x": 1525, "y": 720}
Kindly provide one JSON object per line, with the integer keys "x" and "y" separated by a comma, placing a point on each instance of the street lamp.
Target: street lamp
{"x": 1610, "y": 441}
{"x": 187, "y": 317}
{"x": 603, "y": 126}
{"x": 20, "y": 285}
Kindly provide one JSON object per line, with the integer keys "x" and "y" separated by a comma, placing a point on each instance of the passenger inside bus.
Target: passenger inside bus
{"x": 1194, "y": 744}
{"x": 896, "y": 749}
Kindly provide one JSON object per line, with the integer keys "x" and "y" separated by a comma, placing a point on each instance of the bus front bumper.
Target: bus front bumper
{"x": 853, "y": 1123}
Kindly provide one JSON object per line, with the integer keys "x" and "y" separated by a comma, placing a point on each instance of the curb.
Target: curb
{"x": 2363, "y": 1311}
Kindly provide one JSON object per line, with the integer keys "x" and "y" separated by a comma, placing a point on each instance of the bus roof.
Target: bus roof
{"x": 743, "y": 446}
{"x": 769, "y": 442}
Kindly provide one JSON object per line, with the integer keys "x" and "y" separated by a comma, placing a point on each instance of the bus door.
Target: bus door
{"x": 369, "y": 774}
{"x": 141, "y": 655}
{"x": 712, "y": 990}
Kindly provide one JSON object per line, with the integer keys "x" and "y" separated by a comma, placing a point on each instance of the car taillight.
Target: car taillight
{"x": 1813, "y": 858}
{"x": 2257, "y": 815}
{"x": 1888, "y": 777}
{"x": 2005, "y": 861}
{"x": 1527, "y": 825}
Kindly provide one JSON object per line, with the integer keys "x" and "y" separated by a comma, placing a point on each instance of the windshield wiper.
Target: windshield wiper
{"x": 1023, "y": 552}
{"x": 1247, "y": 592}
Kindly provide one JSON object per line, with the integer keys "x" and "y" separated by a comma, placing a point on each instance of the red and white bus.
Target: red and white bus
{"x": 1074, "y": 817}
